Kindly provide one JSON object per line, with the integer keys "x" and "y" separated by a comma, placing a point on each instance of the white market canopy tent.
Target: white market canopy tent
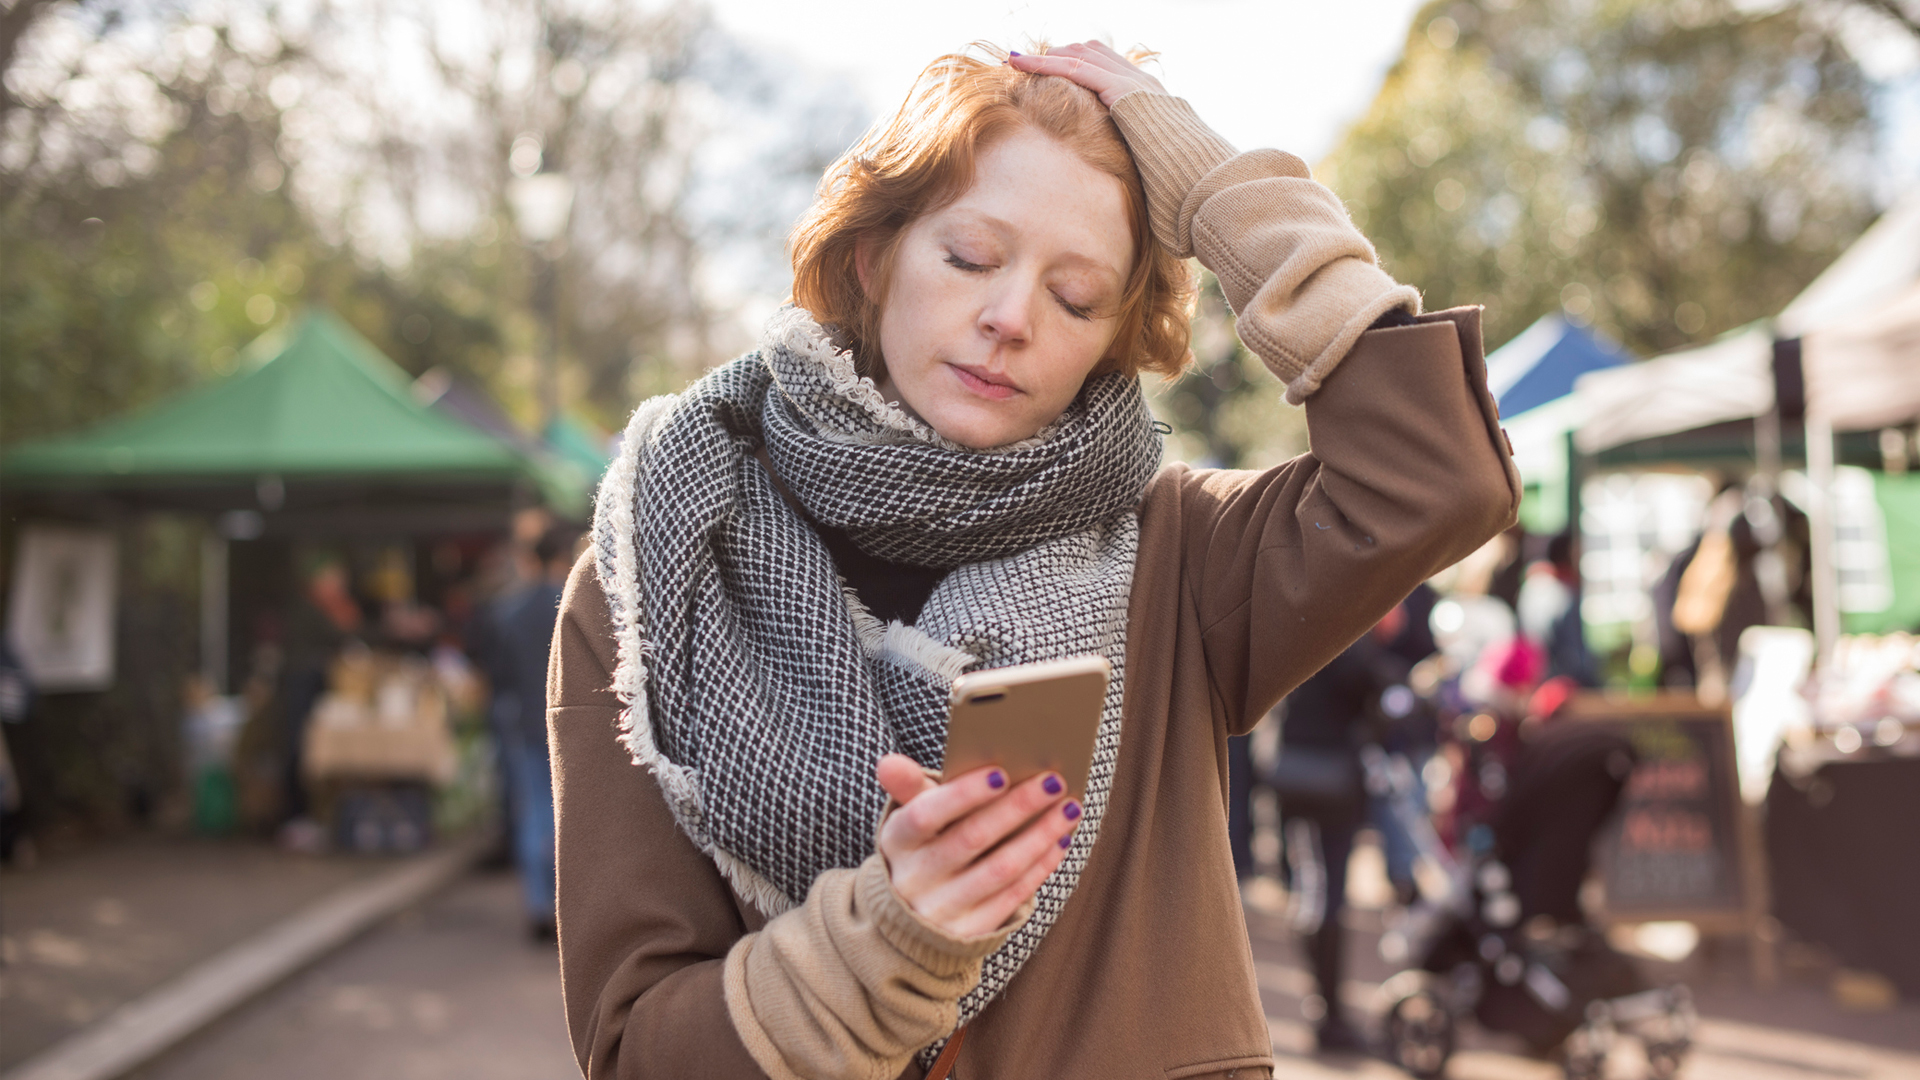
{"x": 1865, "y": 373}
{"x": 1875, "y": 270}
{"x": 1859, "y": 322}
{"x": 1729, "y": 379}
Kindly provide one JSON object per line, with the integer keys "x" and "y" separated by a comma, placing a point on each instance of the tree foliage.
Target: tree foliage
{"x": 1227, "y": 411}
{"x": 174, "y": 181}
{"x": 1665, "y": 169}
{"x": 140, "y": 216}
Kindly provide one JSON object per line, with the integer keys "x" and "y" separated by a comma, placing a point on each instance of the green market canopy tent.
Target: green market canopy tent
{"x": 319, "y": 432}
{"x": 575, "y": 443}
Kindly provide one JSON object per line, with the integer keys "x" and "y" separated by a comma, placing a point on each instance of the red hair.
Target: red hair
{"x": 923, "y": 159}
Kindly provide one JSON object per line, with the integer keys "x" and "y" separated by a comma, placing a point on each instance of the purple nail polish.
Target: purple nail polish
{"x": 1066, "y": 841}
{"x": 1053, "y": 785}
{"x": 1072, "y": 810}
{"x": 1011, "y": 54}
{"x": 996, "y": 779}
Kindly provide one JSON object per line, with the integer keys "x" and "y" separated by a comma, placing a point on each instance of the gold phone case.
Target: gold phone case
{"x": 1028, "y": 719}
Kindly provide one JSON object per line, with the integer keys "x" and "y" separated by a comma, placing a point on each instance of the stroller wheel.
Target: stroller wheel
{"x": 1584, "y": 1055}
{"x": 1585, "y": 1068}
{"x": 1419, "y": 1031}
{"x": 1663, "y": 1060}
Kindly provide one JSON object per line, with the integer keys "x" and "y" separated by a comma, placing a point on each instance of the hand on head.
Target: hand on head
{"x": 1093, "y": 65}
{"x": 967, "y": 853}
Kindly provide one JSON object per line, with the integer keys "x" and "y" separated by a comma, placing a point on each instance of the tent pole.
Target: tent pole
{"x": 1769, "y": 567}
{"x": 213, "y": 611}
{"x": 1576, "y": 476}
{"x": 1821, "y": 524}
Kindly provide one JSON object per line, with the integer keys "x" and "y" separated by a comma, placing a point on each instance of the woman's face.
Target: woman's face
{"x": 1001, "y": 303}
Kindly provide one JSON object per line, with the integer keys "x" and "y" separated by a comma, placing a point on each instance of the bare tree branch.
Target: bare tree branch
{"x": 14, "y": 21}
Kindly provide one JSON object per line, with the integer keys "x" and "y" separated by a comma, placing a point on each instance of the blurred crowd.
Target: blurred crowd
{"x": 1412, "y": 732}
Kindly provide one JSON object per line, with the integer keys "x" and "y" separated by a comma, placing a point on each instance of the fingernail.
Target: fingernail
{"x": 1011, "y": 54}
{"x": 996, "y": 779}
{"x": 1066, "y": 841}
{"x": 1053, "y": 785}
{"x": 1072, "y": 810}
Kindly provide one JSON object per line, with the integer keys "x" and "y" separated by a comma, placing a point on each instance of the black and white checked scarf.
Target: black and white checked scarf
{"x": 760, "y": 692}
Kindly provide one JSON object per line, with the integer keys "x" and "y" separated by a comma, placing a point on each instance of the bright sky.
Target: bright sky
{"x": 1282, "y": 73}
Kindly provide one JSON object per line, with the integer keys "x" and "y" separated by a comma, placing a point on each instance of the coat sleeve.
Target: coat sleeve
{"x": 1409, "y": 470}
{"x": 645, "y": 920}
{"x": 1409, "y": 473}
{"x": 1303, "y": 282}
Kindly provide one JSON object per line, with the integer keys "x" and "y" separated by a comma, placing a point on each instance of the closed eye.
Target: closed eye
{"x": 1084, "y": 314}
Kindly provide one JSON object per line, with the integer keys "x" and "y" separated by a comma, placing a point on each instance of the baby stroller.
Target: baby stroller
{"x": 1506, "y": 943}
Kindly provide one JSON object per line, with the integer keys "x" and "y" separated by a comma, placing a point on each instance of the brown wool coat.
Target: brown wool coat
{"x": 1247, "y": 583}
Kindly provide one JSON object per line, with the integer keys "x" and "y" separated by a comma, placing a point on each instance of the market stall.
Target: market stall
{"x": 1815, "y": 412}
{"x": 1845, "y": 867}
{"x": 340, "y": 511}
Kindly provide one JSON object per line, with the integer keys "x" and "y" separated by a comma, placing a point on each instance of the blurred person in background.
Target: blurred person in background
{"x": 1408, "y": 729}
{"x": 16, "y": 702}
{"x": 1484, "y": 739}
{"x": 512, "y": 644}
{"x": 1548, "y": 610}
{"x": 941, "y": 460}
{"x": 1324, "y": 801}
{"x": 322, "y": 619}
{"x": 1736, "y": 575}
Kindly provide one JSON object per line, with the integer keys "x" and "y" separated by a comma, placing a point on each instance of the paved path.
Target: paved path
{"x": 83, "y": 934}
{"x": 453, "y": 991}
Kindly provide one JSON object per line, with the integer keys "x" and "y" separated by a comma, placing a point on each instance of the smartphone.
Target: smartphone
{"x": 1028, "y": 719}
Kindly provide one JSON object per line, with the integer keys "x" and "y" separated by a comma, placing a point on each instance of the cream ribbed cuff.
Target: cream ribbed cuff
{"x": 1173, "y": 148}
{"x": 917, "y": 939}
{"x": 852, "y": 982}
{"x": 1302, "y": 281}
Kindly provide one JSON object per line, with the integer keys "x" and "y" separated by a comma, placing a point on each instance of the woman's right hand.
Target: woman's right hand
{"x": 1092, "y": 64}
{"x": 944, "y": 843}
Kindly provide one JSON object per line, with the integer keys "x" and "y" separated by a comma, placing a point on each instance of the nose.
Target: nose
{"x": 1007, "y": 316}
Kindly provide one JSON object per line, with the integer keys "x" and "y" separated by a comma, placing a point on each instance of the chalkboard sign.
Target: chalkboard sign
{"x": 1680, "y": 846}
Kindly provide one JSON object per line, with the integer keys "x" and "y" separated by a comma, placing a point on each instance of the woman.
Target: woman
{"x": 938, "y": 461}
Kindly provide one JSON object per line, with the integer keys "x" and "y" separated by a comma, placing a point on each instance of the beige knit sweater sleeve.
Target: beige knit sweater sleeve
{"x": 1303, "y": 281}
{"x": 851, "y": 983}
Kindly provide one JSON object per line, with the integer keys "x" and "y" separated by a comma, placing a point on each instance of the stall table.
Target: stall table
{"x": 1843, "y": 845}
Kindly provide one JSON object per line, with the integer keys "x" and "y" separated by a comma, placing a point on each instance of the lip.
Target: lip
{"x": 980, "y": 382}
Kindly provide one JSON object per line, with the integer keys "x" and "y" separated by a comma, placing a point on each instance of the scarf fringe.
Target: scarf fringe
{"x": 908, "y": 646}
{"x": 764, "y": 895}
{"x": 620, "y": 580}
{"x": 911, "y": 647}
{"x": 794, "y": 330}
{"x": 871, "y": 631}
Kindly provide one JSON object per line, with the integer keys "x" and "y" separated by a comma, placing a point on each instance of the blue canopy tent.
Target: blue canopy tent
{"x": 1532, "y": 379}
{"x": 1542, "y": 362}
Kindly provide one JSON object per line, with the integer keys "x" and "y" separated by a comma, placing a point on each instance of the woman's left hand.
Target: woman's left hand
{"x": 1092, "y": 65}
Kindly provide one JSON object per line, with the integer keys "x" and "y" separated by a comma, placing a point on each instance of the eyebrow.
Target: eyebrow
{"x": 1007, "y": 228}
